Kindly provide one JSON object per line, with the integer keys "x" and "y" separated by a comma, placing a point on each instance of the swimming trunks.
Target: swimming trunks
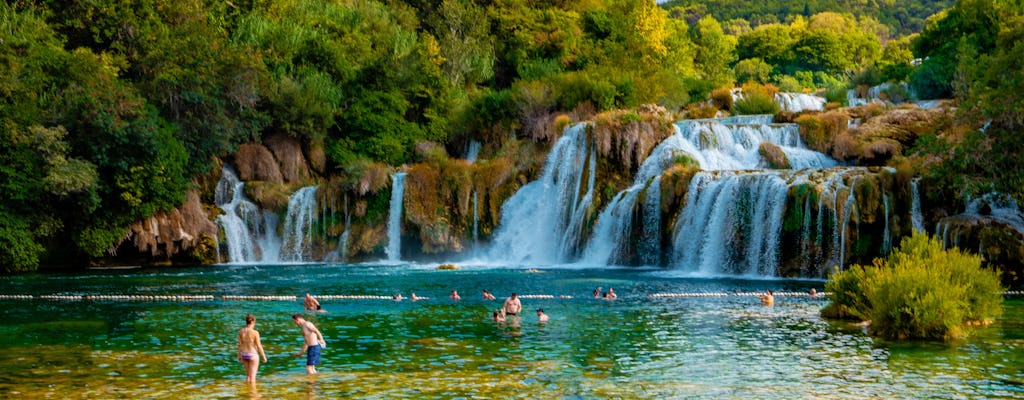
{"x": 313, "y": 355}
{"x": 247, "y": 356}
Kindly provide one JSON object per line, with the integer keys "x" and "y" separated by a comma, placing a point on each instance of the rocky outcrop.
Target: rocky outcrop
{"x": 184, "y": 234}
{"x": 255, "y": 163}
{"x": 288, "y": 153}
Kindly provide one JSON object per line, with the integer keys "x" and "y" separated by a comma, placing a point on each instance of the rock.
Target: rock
{"x": 255, "y": 163}
{"x": 288, "y": 153}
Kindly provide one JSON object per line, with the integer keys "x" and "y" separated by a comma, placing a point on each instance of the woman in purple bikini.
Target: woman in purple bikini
{"x": 248, "y": 346}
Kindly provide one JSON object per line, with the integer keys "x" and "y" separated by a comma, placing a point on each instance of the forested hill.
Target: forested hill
{"x": 112, "y": 111}
{"x": 901, "y": 17}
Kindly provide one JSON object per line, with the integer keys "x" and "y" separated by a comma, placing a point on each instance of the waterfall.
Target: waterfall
{"x": 239, "y": 215}
{"x": 733, "y": 143}
{"x": 731, "y": 224}
{"x": 298, "y": 226}
{"x": 472, "y": 150}
{"x": 916, "y": 217}
{"x": 650, "y": 243}
{"x": 843, "y": 230}
{"x": 798, "y": 102}
{"x": 841, "y": 211}
{"x": 541, "y": 222}
{"x": 886, "y": 235}
{"x": 394, "y": 249}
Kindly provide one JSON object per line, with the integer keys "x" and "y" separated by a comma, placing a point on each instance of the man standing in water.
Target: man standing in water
{"x": 512, "y": 305}
{"x": 248, "y": 346}
{"x": 313, "y": 342}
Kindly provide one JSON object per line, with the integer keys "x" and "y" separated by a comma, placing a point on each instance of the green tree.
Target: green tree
{"x": 715, "y": 51}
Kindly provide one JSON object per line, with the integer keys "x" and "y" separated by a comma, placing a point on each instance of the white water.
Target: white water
{"x": 715, "y": 144}
{"x": 650, "y": 242}
{"x": 798, "y": 102}
{"x": 731, "y": 224}
{"x": 916, "y": 217}
{"x": 298, "y": 226}
{"x": 394, "y": 248}
{"x": 472, "y": 150}
{"x": 239, "y": 215}
{"x": 733, "y": 143}
{"x": 541, "y": 223}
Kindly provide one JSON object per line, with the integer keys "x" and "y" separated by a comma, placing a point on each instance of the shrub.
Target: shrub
{"x": 774, "y": 155}
{"x": 721, "y": 98}
{"x": 789, "y": 84}
{"x": 921, "y": 291}
{"x": 755, "y": 103}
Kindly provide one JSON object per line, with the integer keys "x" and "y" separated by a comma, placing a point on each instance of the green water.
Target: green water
{"x": 633, "y": 347}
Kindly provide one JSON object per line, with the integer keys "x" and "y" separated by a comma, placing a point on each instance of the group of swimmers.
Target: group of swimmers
{"x": 249, "y": 345}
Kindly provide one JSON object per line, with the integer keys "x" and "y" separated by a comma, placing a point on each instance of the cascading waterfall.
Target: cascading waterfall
{"x": 542, "y": 222}
{"x": 799, "y": 102}
{"x": 239, "y": 215}
{"x": 715, "y": 144}
{"x": 916, "y": 217}
{"x": 650, "y": 242}
{"x": 731, "y": 224}
{"x": 733, "y": 143}
{"x": 394, "y": 248}
{"x": 298, "y": 226}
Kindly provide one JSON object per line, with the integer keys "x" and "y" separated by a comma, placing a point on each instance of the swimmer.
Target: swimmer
{"x": 597, "y": 293}
{"x": 488, "y": 295}
{"x": 397, "y": 297}
{"x": 541, "y": 316}
{"x": 455, "y": 295}
{"x": 498, "y": 316}
{"x": 310, "y": 303}
{"x": 768, "y": 298}
{"x": 248, "y": 346}
{"x": 313, "y": 342}
{"x": 414, "y": 297}
{"x": 512, "y": 305}
{"x": 611, "y": 294}
{"x": 814, "y": 293}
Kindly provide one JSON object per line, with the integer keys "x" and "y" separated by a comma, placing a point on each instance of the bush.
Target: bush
{"x": 757, "y": 99}
{"x": 721, "y": 98}
{"x": 921, "y": 291}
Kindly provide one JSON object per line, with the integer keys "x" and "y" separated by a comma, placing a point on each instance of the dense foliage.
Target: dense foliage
{"x": 919, "y": 291}
{"x": 899, "y": 17}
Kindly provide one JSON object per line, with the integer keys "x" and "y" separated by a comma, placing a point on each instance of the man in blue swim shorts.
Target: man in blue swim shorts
{"x": 312, "y": 343}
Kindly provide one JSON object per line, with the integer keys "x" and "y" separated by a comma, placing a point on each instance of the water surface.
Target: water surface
{"x": 633, "y": 347}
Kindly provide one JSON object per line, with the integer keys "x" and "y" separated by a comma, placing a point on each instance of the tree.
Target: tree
{"x": 464, "y": 37}
{"x": 715, "y": 51}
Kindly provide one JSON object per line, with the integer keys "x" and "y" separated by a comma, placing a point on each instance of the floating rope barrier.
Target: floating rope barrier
{"x": 738, "y": 294}
{"x": 144, "y": 297}
{"x": 269, "y": 298}
{"x": 194, "y": 298}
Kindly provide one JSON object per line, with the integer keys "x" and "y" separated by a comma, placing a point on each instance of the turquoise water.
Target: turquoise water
{"x": 633, "y": 347}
